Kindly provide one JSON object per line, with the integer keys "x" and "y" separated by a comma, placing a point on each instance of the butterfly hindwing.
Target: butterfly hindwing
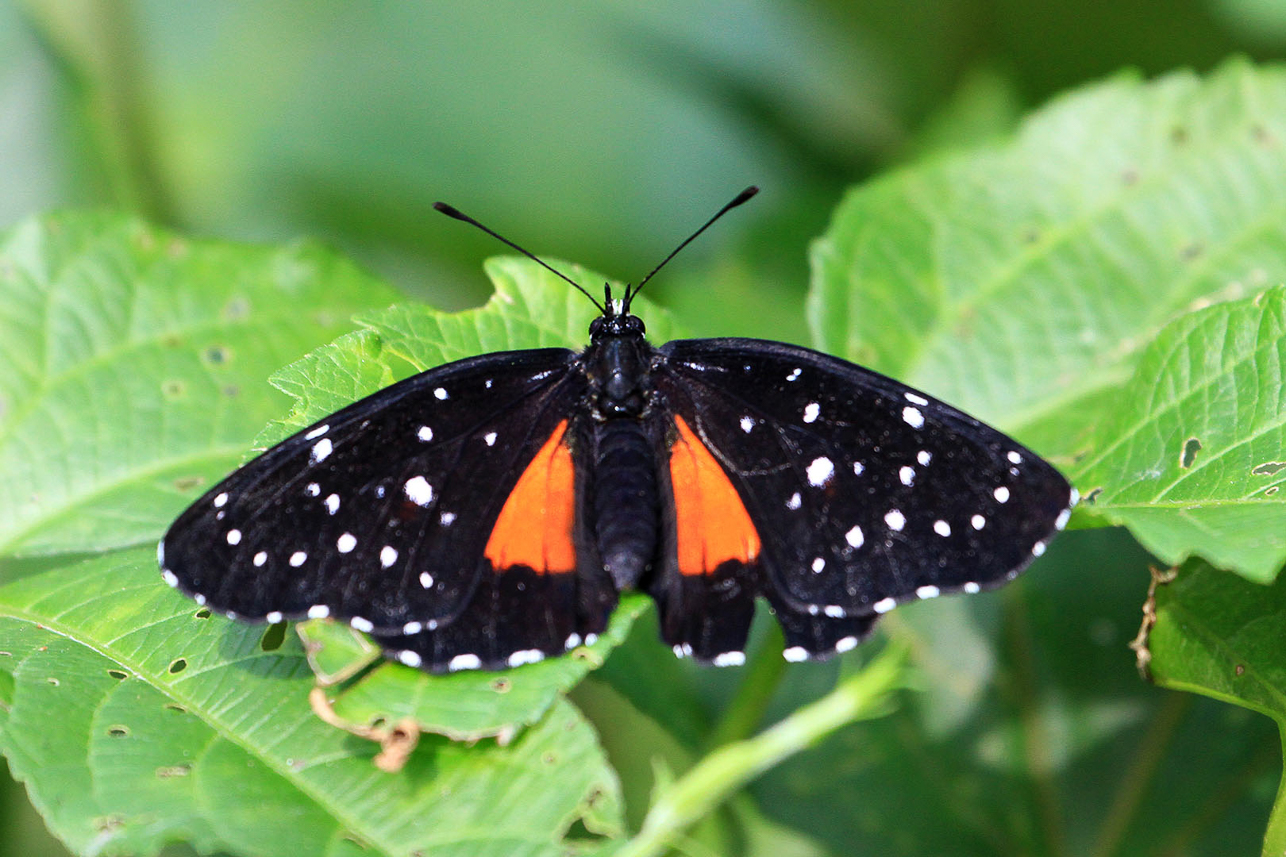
{"x": 381, "y": 513}
{"x": 865, "y": 492}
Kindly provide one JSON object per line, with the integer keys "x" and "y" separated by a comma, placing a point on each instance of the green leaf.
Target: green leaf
{"x": 173, "y": 724}
{"x": 531, "y": 308}
{"x": 469, "y": 705}
{"x": 134, "y": 368}
{"x": 1021, "y": 281}
{"x": 1193, "y": 458}
{"x": 1221, "y": 636}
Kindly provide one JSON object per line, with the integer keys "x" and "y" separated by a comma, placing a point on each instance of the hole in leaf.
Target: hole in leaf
{"x": 172, "y": 389}
{"x": 1260, "y": 134}
{"x": 1191, "y": 447}
{"x": 1129, "y": 176}
{"x": 549, "y": 758}
{"x": 232, "y": 391}
{"x": 6, "y": 654}
{"x": 1092, "y": 496}
{"x": 501, "y": 685}
{"x": 1240, "y": 669}
{"x": 203, "y": 613}
{"x": 1191, "y": 251}
{"x": 174, "y": 706}
{"x": 1269, "y": 468}
{"x": 379, "y": 723}
{"x": 273, "y": 637}
{"x": 217, "y": 355}
{"x": 119, "y": 675}
{"x": 1271, "y": 490}
{"x": 118, "y": 731}
{"x": 178, "y": 665}
{"x": 1178, "y": 135}
{"x": 55, "y": 682}
{"x": 171, "y": 771}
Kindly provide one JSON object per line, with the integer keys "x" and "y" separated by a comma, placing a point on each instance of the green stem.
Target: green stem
{"x": 729, "y": 768}
{"x": 763, "y": 674}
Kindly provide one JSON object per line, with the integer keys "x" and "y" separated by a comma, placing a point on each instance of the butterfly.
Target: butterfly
{"x": 488, "y": 513}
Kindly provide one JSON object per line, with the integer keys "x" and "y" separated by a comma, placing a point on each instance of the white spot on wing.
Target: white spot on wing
{"x": 260, "y": 558}
{"x": 928, "y": 592}
{"x": 312, "y": 489}
{"x": 321, "y": 450}
{"x": 916, "y": 399}
{"x": 795, "y": 654}
{"x": 346, "y": 543}
{"x": 1061, "y": 520}
{"x": 388, "y": 556}
{"x": 729, "y": 659}
{"x": 1001, "y": 494}
{"x": 834, "y": 611}
{"x": 906, "y": 475}
{"x": 942, "y": 528}
{"x": 525, "y": 656}
{"x": 332, "y": 503}
{"x": 794, "y": 375}
{"x": 572, "y": 641}
{"x": 410, "y": 629}
{"x": 464, "y": 662}
{"x": 895, "y": 519}
{"x": 418, "y": 491}
{"x": 978, "y": 522}
{"x": 971, "y": 588}
{"x": 818, "y": 565}
{"x": 426, "y": 579}
{"x": 884, "y": 605}
{"x": 410, "y": 658}
{"x": 440, "y": 394}
{"x": 854, "y": 537}
{"x": 820, "y": 471}
{"x": 912, "y": 417}
{"x": 424, "y": 433}
{"x": 234, "y": 537}
{"x": 318, "y": 611}
{"x": 221, "y": 500}
{"x": 170, "y": 578}
{"x": 1038, "y": 549}
{"x": 447, "y": 519}
{"x": 795, "y": 501}
{"x": 490, "y": 439}
{"x": 297, "y": 559}
{"x": 811, "y": 412}
{"x": 273, "y": 617}
{"x": 845, "y": 644}
{"x": 360, "y": 624}
{"x": 747, "y": 424}
{"x": 1014, "y": 457}
{"x": 924, "y": 457}
{"x": 858, "y": 468}
{"x": 317, "y": 432}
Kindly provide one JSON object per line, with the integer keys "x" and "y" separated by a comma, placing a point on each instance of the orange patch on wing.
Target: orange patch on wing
{"x": 536, "y": 523}
{"x": 713, "y": 525}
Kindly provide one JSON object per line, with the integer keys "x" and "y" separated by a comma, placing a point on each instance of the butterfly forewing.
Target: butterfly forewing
{"x": 865, "y": 492}
{"x": 379, "y": 513}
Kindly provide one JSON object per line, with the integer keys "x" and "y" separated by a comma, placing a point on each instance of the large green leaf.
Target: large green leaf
{"x": 136, "y": 719}
{"x": 1020, "y": 281}
{"x": 134, "y": 367}
{"x": 1221, "y": 636}
{"x": 1193, "y": 458}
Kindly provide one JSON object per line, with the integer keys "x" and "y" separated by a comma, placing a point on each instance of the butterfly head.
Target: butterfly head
{"x": 616, "y": 320}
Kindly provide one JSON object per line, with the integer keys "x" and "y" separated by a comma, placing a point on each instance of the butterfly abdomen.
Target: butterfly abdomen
{"x": 626, "y": 505}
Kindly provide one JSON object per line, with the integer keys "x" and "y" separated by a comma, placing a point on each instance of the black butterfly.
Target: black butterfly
{"x": 487, "y": 513}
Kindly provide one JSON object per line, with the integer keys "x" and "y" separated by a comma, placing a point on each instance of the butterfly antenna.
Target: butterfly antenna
{"x": 738, "y": 200}
{"x": 451, "y": 211}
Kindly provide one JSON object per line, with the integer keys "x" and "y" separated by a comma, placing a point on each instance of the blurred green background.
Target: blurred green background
{"x": 595, "y": 131}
